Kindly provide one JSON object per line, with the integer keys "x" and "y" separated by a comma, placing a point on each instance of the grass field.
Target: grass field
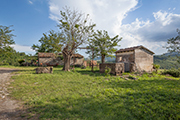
{"x": 85, "y": 95}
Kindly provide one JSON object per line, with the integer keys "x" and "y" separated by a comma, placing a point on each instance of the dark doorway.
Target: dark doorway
{"x": 126, "y": 67}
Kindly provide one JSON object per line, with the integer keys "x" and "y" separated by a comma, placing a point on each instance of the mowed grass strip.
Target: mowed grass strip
{"x": 85, "y": 95}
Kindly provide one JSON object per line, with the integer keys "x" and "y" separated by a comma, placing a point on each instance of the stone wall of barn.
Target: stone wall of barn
{"x": 44, "y": 61}
{"x": 58, "y": 61}
{"x": 125, "y": 57}
{"x": 116, "y": 68}
{"x": 143, "y": 60}
{"x": 78, "y": 61}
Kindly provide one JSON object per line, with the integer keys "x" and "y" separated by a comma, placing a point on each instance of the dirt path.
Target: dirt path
{"x": 9, "y": 109}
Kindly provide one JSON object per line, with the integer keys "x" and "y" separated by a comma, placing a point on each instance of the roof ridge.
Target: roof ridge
{"x": 133, "y": 48}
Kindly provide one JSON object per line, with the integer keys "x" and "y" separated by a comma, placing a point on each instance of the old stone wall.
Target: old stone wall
{"x": 44, "y": 70}
{"x": 78, "y": 61}
{"x": 125, "y": 57}
{"x": 58, "y": 61}
{"x": 43, "y": 61}
{"x": 143, "y": 60}
{"x": 116, "y": 68}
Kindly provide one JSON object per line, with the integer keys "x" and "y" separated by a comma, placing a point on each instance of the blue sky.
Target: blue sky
{"x": 139, "y": 22}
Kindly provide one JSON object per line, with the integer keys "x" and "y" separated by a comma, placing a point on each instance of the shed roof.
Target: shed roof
{"x": 77, "y": 56}
{"x": 46, "y": 55}
{"x": 132, "y": 49}
{"x": 74, "y": 55}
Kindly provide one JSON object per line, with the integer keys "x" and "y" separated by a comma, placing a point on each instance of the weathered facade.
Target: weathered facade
{"x": 116, "y": 68}
{"x": 50, "y": 59}
{"x": 46, "y": 58}
{"x": 136, "y": 58}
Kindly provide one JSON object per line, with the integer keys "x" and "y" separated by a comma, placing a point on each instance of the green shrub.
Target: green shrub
{"x": 5, "y": 63}
{"x": 21, "y": 61}
{"x": 107, "y": 70}
{"x": 156, "y": 67}
{"x": 173, "y": 72}
{"x": 83, "y": 67}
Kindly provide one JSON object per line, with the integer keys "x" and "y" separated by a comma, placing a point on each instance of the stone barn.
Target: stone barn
{"x": 136, "y": 58}
{"x": 46, "y": 58}
{"x": 50, "y": 59}
{"x": 77, "y": 59}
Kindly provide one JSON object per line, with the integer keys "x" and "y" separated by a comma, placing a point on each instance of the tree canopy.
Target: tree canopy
{"x": 50, "y": 42}
{"x": 174, "y": 45}
{"x": 76, "y": 29}
{"x": 103, "y": 44}
{"x": 6, "y": 39}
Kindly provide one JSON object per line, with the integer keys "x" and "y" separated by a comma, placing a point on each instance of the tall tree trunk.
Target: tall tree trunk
{"x": 67, "y": 59}
{"x": 103, "y": 58}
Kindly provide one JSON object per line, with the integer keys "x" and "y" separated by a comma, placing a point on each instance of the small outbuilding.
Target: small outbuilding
{"x": 133, "y": 59}
{"x": 50, "y": 59}
{"x": 137, "y": 58}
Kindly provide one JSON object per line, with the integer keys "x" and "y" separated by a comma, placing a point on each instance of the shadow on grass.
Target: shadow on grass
{"x": 90, "y": 73}
{"x": 81, "y": 71}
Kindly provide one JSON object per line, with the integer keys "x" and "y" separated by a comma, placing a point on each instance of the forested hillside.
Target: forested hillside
{"x": 166, "y": 61}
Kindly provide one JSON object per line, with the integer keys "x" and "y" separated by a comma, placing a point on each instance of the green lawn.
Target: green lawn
{"x": 86, "y": 95}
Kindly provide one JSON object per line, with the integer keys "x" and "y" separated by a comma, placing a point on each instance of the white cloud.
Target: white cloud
{"x": 153, "y": 34}
{"x": 108, "y": 15}
{"x": 105, "y": 13}
{"x": 21, "y": 48}
{"x": 30, "y": 2}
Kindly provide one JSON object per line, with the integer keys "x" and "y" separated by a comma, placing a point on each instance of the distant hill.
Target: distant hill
{"x": 170, "y": 54}
{"x": 107, "y": 59}
{"x": 166, "y": 61}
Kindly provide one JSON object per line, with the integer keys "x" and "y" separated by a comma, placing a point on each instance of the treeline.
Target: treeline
{"x": 13, "y": 58}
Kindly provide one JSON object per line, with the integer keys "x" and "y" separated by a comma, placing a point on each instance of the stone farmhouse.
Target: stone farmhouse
{"x": 50, "y": 59}
{"x": 136, "y": 58}
{"x": 132, "y": 59}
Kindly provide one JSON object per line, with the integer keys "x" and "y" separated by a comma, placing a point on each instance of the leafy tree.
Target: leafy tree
{"x": 174, "y": 45}
{"x": 6, "y": 39}
{"x": 76, "y": 29}
{"x": 14, "y": 58}
{"x": 103, "y": 44}
{"x": 49, "y": 43}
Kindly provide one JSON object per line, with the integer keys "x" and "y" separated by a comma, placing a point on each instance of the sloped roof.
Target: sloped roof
{"x": 77, "y": 56}
{"x": 46, "y": 55}
{"x": 49, "y": 55}
{"x": 74, "y": 55}
{"x": 133, "y": 48}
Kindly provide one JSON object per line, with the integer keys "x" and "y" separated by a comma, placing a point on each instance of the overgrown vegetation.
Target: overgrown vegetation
{"x": 85, "y": 95}
{"x": 156, "y": 67}
{"x": 15, "y": 58}
{"x": 172, "y": 72}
